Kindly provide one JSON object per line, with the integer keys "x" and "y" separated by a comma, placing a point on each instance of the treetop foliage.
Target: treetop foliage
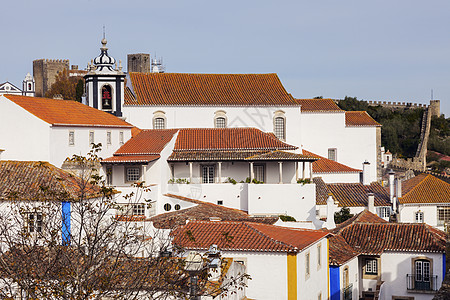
{"x": 69, "y": 87}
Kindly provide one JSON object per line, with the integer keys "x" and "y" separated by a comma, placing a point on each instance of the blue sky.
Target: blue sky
{"x": 379, "y": 50}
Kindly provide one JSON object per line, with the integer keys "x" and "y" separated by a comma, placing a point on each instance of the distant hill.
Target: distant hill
{"x": 400, "y": 132}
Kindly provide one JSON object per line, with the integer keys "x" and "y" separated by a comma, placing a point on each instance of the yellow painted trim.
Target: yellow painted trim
{"x": 292, "y": 276}
{"x": 328, "y": 266}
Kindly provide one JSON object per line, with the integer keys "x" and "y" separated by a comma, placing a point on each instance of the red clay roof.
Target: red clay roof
{"x": 203, "y": 211}
{"x": 281, "y": 155}
{"x": 66, "y": 112}
{"x": 359, "y": 118}
{"x": 131, "y": 159}
{"x": 35, "y": 180}
{"x": 245, "y": 236}
{"x": 340, "y": 251}
{"x": 363, "y": 217}
{"x": 147, "y": 142}
{"x": 318, "y": 105}
{"x": 325, "y": 165}
{"x": 207, "y": 89}
{"x": 425, "y": 188}
{"x": 228, "y": 139}
{"x": 375, "y": 238}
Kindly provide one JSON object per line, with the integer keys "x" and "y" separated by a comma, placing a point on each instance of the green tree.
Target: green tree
{"x": 69, "y": 87}
{"x": 342, "y": 215}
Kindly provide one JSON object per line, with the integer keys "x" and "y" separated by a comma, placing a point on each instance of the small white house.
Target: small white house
{"x": 40, "y": 129}
{"x": 284, "y": 263}
{"x": 395, "y": 261}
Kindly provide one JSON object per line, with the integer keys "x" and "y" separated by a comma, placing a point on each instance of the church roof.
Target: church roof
{"x": 66, "y": 112}
{"x": 318, "y": 105}
{"x": 181, "y": 89}
{"x": 359, "y": 118}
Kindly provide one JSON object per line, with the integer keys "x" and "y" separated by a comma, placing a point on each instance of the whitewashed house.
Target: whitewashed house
{"x": 284, "y": 263}
{"x": 241, "y": 168}
{"x": 396, "y": 260}
{"x": 424, "y": 199}
{"x": 9, "y": 88}
{"x": 40, "y": 129}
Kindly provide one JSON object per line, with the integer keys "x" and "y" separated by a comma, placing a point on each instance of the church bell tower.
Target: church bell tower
{"x": 105, "y": 83}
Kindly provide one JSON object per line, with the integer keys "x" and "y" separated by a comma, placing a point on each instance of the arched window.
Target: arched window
{"x": 280, "y": 128}
{"x": 422, "y": 274}
{"x": 159, "y": 120}
{"x": 106, "y": 97}
{"x": 220, "y": 119}
{"x": 29, "y": 86}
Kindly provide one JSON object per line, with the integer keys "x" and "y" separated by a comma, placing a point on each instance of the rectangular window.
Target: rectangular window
{"x": 443, "y": 215}
{"x": 109, "y": 171}
{"x": 34, "y": 222}
{"x": 133, "y": 174}
{"x": 121, "y": 137}
{"x": 108, "y": 138}
{"x": 259, "y": 171}
{"x": 91, "y": 137}
{"x": 419, "y": 216}
{"x": 159, "y": 123}
{"x": 71, "y": 138}
{"x": 332, "y": 154}
{"x": 220, "y": 122}
{"x": 207, "y": 174}
{"x": 371, "y": 267}
{"x": 280, "y": 128}
{"x": 384, "y": 212}
{"x": 307, "y": 264}
{"x": 319, "y": 255}
{"x": 137, "y": 209}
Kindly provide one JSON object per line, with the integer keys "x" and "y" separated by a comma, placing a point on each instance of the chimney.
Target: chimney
{"x": 391, "y": 185}
{"x": 330, "y": 212}
{"x": 365, "y": 173}
{"x": 371, "y": 202}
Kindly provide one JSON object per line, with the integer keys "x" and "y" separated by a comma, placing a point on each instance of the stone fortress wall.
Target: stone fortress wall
{"x": 45, "y": 71}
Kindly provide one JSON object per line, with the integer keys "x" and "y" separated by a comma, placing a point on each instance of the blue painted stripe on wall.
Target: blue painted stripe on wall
{"x": 444, "y": 267}
{"x": 335, "y": 284}
{"x": 65, "y": 233}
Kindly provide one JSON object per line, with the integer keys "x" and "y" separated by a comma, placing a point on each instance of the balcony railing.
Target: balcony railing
{"x": 417, "y": 282}
{"x": 347, "y": 292}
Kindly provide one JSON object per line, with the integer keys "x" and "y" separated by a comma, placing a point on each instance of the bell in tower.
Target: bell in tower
{"x": 28, "y": 86}
{"x": 105, "y": 83}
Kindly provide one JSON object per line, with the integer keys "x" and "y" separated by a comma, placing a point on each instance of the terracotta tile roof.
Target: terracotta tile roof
{"x": 425, "y": 188}
{"x": 363, "y": 217}
{"x": 375, "y": 238}
{"x": 131, "y": 159}
{"x": 355, "y": 194}
{"x": 321, "y": 191}
{"x": 205, "y": 155}
{"x": 29, "y": 180}
{"x": 340, "y": 251}
{"x": 359, "y": 118}
{"x": 325, "y": 165}
{"x": 66, "y": 112}
{"x": 203, "y": 211}
{"x": 207, "y": 89}
{"x": 228, "y": 139}
{"x": 135, "y": 131}
{"x": 245, "y": 236}
{"x": 147, "y": 142}
{"x": 282, "y": 155}
{"x": 318, "y": 105}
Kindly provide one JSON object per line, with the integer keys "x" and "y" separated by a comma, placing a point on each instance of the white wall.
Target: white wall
{"x": 407, "y": 214}
{"x": 353, "y": 277}
{"x": 60, "y": 148}
{"x": 182, "y": 117}
{"x": 23, "y": 136}
{"x": 339, "y": 177}
{"x": 395, "y": 266}
{"x": 321, "y": 131}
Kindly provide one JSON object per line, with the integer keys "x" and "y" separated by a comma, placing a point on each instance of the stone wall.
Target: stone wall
{"x": 45, "y": 71}
{"x": 139, "y": 62}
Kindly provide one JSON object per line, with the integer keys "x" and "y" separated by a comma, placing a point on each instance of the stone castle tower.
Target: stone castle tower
{"x": 139, "y": 62}
{"x": 44, "y": 73}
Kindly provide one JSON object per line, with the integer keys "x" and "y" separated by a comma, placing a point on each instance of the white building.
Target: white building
{"x": 241, "y": 168}
{"x": 9, "y": 88}
{"x": 284, "y": 263}
{"x": 393, "y": 262}
{"x": 40, "y": 129}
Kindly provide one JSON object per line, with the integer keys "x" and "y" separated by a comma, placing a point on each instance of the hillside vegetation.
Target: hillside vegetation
{"x": 400, "y": 132}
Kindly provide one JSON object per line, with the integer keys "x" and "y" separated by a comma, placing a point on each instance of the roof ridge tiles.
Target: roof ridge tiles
{"x": 294, "y": 248}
